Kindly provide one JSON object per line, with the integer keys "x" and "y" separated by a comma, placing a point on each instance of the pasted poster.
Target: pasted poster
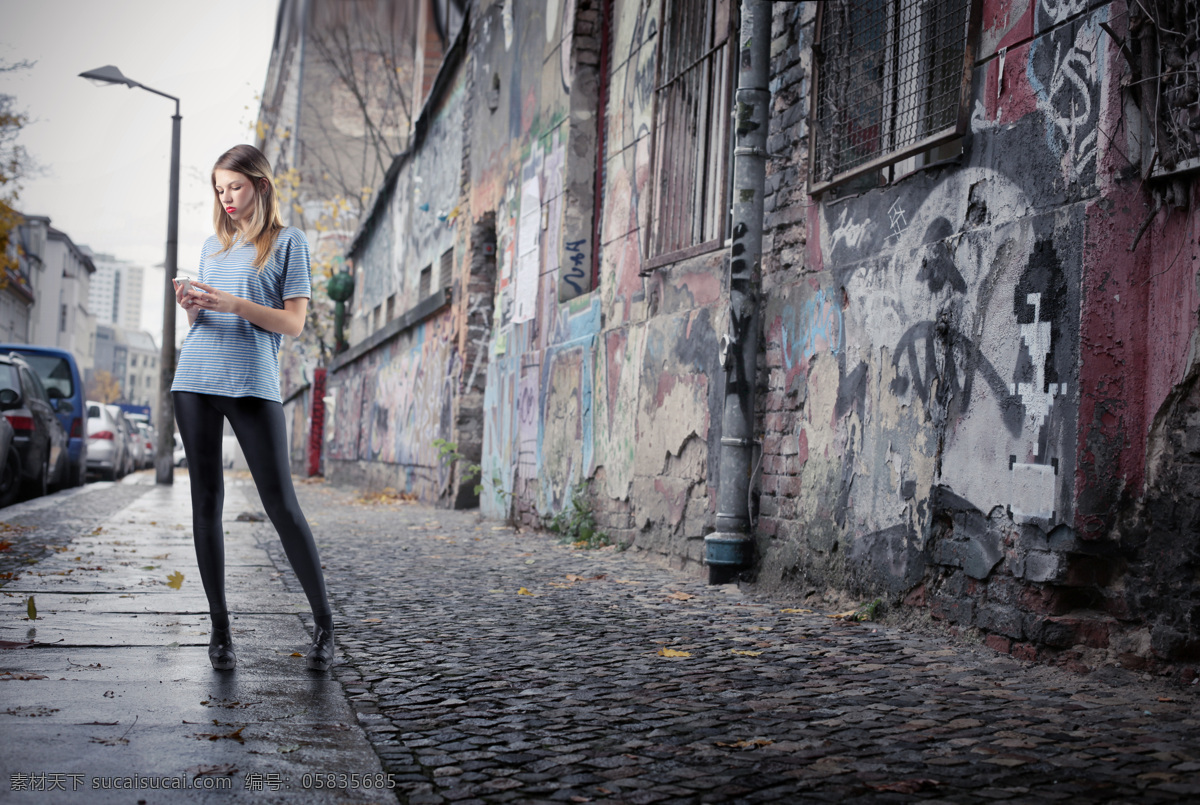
{"x": 525, "y": 303}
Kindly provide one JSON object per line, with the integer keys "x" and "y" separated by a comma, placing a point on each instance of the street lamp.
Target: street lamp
{"x": 164, "y": 464}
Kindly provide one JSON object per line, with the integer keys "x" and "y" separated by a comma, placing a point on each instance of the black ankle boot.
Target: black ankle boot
{"x": 321, "y": 652}
{"x": 220, "y": 649}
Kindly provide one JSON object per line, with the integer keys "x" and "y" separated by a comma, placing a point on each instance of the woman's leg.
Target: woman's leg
{"x": 200, "y": 427}
{"x": 262, "y": 433}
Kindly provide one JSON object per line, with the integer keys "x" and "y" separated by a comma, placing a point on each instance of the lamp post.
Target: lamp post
{"x": 164, "y": 463}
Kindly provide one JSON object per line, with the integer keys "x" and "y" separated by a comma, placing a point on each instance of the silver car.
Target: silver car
{"x": 108, "y": 451}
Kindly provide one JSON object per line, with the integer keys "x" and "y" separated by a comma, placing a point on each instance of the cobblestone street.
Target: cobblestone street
{"x": 493, "y": 666}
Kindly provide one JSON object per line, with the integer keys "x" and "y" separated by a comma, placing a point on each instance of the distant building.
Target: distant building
{"x": 141, "y": 375}
{"x": 115, "y": 296}
{"x": 59, "y": 282}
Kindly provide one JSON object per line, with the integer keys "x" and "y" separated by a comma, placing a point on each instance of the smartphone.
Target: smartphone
{"x": 186, "y": 284}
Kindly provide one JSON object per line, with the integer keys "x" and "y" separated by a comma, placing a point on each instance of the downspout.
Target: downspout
{"x": 728, "y": 549}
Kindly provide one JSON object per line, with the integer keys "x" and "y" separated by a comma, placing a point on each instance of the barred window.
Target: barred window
{"x": 893, "y": 80}
{"x": 690, "y": 167}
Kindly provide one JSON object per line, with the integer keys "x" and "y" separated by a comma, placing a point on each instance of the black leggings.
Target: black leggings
{"x": 260, "y": 430}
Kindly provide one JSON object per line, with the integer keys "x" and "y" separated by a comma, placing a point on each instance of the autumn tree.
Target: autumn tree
{"x": 15, "y": 164}
{"x": 104, "y": 388}
{"x": 355, "y": 115}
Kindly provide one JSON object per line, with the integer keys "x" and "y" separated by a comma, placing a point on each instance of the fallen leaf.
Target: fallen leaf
{"x": 295, "y": 654}
{"x": 236, "y": 735}
{"x": 175, "y": 580}
{"x": 1165, "y": 699}
{"x": 752, "y": 743}
{"x": 19, "y": 675}
{"x": 573, "y": 577}
{"x": 670, "y": 652}
{"x": 793, "y": 611}
{"x": 289, "y": 748}
{"x": 745, "y": 653}
{"x": 5, "y": 545}
{"x": 523, "y": 591}
{"x": 848, "y": 614}
{"x": 372, "y": 620}
{"x": 31, "y": 609}
{"x": 681, "y": 596}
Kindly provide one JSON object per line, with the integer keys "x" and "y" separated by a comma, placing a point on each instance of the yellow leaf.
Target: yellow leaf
{"x": 372, "y": 620}
{"x": 31, "y": 609}
{"x": 175, "y": 580}
{"x": 523, "y": 591}
{"x": 849, "y": 614}
{"x": 295, "y": 654}
{"x": 680, "y": 596}
{"x": 744, "y": 744}
{"x": 796, "y": 611}
{"x": 745, "y": 653}
{"x": 670, "y": 652}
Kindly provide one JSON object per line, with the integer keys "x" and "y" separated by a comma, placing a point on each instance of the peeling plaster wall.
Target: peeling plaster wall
{"x": 390, "y": 403}
{"x": 968, "y": 372}
{"x": 532, "y": 160}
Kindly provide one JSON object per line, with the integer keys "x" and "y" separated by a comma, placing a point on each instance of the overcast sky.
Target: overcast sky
{"x": 105, "y": 151}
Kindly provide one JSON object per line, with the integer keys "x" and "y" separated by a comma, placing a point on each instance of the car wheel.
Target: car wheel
{"x": 10, "y": 479}
{"x": 39, "y": 485}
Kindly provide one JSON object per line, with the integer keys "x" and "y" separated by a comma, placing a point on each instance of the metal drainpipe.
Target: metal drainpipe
{"x": 728, "y": 549}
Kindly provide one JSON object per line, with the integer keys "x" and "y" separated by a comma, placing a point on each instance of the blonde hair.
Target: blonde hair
{"x": 266, "y": 223}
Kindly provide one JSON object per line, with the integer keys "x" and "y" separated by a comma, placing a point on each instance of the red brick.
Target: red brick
{"x": 790, "y": 486}
{"x": 998, "y": 643}
{"x": 916, "y": 597}
{"x": 1024, "y": 651}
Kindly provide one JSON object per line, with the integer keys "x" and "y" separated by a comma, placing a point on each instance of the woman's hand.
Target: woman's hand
{"x": 288, "y": 321}
{"x": 214, "y": 299}
{"x": 186, "y": 299}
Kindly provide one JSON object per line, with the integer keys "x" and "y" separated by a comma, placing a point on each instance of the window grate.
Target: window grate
{"x": 691, "y": 135}
{"x": 893, "y": 78}
{"x": 446, "y": 269}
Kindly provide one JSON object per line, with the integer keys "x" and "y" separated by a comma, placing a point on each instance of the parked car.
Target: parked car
{"x": 149, "y": 438}
{"x": 10, "y": 464}
{"x": 135, "y": 443}
{"x": 39, "y": 439}
{"x": 108, "y": 453}
{"x": 180, "y": 454}
{"x": 59, "y": 372}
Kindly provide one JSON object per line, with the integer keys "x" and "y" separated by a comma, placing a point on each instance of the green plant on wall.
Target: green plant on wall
{"x": 448, "y": 453}
{"x": 576, "y": 524}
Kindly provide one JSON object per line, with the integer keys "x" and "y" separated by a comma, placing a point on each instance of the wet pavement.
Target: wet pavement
{"x": 108, "y": 695}
{"x": 481, "y": 664}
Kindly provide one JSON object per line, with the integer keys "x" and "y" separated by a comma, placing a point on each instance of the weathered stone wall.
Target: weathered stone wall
{"x": 968, "y": 373}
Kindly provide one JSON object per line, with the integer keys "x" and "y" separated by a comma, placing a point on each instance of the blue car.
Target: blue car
{"x": 59, "y": 373}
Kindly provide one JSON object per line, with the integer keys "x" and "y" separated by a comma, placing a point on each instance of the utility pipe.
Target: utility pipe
{"x": 728, "y": 549}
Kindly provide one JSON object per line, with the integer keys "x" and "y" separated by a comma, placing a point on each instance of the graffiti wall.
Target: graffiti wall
{"x": 963, "y": 383}
{"x": 396, "y": 391}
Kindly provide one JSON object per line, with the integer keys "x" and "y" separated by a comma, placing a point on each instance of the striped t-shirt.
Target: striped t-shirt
{"x": 223, "y": 353}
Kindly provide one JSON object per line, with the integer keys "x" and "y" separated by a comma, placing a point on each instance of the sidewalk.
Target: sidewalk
{"x": 112, "y": 680}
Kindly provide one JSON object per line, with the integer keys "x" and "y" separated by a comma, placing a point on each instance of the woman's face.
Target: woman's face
{"x": 236, "y": 192}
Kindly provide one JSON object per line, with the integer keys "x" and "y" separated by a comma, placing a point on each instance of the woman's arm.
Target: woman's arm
{"x": 289, "y": 321}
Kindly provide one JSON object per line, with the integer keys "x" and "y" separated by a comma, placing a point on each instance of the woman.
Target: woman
{"x": 253, "y": 288}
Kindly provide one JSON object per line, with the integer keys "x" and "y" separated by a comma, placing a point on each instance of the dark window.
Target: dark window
{"x": 391, "y": 307}
{"x": 691, "y": 128}
{"x": 892, "y": 82}
{"x": 446, "y": 269}
{"x": 426, "y": 280}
